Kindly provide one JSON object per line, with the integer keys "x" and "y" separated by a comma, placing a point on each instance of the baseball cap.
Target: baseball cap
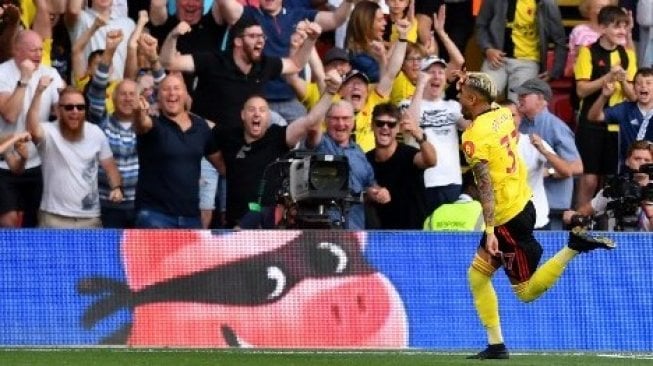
{"x": 534, "y": 86}
{"x": 355, "y": 73}
{"x": 334, "y": 54}
{"x": 430, "y": 60}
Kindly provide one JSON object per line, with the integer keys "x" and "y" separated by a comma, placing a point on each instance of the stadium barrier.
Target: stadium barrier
{"x": 306, "y": 289}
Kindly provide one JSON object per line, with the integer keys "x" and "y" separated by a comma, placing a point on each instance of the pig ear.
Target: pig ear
{"x": 152, "y": 256}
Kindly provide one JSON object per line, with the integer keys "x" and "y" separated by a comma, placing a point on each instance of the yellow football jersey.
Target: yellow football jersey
{"x": 524, "y": 31}
{"x": 402, "y": 89}
{"x": 493, "y": 137}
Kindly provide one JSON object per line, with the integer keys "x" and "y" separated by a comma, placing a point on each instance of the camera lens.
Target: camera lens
{"x": 327, "y": 177}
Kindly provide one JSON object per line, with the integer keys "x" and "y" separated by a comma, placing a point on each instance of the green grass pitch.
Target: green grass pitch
{"x": 165, "y": 357}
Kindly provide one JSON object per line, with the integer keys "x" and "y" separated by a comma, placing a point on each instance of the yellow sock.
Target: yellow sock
{"x": 485, "y": 299}
{"x": 545, "y": 276}
{"x": 565, "y": 255}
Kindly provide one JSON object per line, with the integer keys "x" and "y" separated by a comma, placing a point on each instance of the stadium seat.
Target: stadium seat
{"x": 560, "y": 105}
{"x": 562, "y": 85}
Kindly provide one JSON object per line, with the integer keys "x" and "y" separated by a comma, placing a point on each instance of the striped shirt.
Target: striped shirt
{"x": 122, "y": 140}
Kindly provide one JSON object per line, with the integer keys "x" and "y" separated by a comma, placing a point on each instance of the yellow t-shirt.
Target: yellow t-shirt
{"x": 27, "y": 12}
{"x": 47, "y": 51}
{"x": 363, "y": 133}
{"x": 524, "y": 31}
{"x": 80, "y": 84}
{"x": 411, "y": 36}
{"x": 583, "y": 70}
{"x": 312, "y": 95}
{"x": 492, "y": 137}
{"x": 402, "y": 88}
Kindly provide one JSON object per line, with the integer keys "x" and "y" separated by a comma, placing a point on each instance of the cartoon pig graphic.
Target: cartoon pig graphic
{"x": 267, "y": 289}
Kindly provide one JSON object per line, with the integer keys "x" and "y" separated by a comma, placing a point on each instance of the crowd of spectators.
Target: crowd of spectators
{"x": 121, "y": 114}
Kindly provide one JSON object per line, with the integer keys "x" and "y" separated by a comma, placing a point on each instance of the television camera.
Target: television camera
{"x": 625, "y": 197}
{"x": 308, "y": 190}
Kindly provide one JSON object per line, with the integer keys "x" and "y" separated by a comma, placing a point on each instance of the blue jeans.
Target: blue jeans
{"x": 355, "y": 217}
{"x": 151, "y": 219}
{"x": 208, "y": 186}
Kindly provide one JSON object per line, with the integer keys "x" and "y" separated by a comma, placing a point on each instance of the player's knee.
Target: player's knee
{"x": 524, "y": 293}
{"x": 525, "y": 297}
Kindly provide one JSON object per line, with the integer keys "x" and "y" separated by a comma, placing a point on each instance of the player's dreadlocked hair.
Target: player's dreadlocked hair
{"x": 483, "y": 84}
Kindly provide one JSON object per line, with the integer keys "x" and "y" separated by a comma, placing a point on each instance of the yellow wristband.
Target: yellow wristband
{"x": 489, "y": 229}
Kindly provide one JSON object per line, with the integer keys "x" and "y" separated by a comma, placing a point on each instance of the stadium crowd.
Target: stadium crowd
{"x": 165, "y": 114}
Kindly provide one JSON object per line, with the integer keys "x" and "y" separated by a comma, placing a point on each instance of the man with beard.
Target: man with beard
{"x": 71, "y": 150}
{"x": 400, "y": 168}
{"x": 490, "y": 146}
{"x": 279, "y": 23}
{"x": 19, "y": 77}
{"x": 170, "y": 149}
{"x": 441, "y": 121}
{"x": 227, "y": 79}
{"x": 249, "y": 149}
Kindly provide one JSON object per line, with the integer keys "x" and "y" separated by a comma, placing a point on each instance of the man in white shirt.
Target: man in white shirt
{"x": 440, "y": 119}
{"x": 19, "y": 77}
{"x": 71, "y": 150}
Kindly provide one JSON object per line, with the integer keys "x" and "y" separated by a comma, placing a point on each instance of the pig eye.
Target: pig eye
{"x": 276, "y": 275}
{"x": 329, "y": 258}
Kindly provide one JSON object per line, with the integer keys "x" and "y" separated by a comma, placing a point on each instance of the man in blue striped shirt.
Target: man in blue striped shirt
{"x": 119, "y": 131}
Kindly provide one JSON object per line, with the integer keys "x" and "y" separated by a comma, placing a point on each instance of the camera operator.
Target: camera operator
{"x": 639, "y": 153}
{"x": 248, "y": 149}
{"x": 338, "y": 141}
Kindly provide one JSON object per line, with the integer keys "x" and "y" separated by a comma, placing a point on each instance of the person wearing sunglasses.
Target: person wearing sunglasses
{"x": 71, "y": 151}
{"x": 400, "y": 168}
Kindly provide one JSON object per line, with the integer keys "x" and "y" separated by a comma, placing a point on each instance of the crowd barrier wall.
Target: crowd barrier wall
{"x": 306, "y": 289}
